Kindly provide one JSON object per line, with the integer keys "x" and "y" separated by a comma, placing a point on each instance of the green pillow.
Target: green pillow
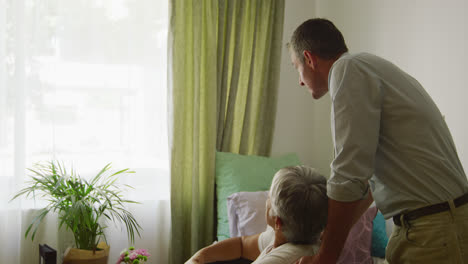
{"x": 241, "y": 173}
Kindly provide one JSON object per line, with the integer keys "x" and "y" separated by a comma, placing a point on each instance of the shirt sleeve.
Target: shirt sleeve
{"x": 286, "y": 253}
{"x": 355, "y": 120}
{"x": 266, "y": 238}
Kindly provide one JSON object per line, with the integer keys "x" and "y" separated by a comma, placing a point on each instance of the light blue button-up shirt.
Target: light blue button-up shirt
{"x": 388, "y": 132}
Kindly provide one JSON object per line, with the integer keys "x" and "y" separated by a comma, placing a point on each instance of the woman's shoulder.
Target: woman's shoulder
{"x": 286, "y": 253}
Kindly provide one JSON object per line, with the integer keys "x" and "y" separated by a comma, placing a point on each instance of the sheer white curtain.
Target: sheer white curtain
{"x": 84, "y": 82}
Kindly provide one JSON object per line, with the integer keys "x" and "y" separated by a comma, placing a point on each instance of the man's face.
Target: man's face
{"x": 309, "y": 77}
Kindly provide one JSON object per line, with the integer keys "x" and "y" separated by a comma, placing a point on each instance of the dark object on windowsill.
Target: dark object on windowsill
{"x": 47, "y": 255}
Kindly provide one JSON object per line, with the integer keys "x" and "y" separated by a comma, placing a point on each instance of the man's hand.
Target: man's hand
{"x": 306, "y": 260}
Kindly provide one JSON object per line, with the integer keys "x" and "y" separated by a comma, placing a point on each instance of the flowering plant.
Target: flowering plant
{"x": 133, "y": 256}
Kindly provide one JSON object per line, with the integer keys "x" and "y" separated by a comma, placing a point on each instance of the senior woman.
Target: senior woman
{"x": 296, "y": 213}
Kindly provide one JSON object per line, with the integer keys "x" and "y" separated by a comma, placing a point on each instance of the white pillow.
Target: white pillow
{"x": 246, "y": 213}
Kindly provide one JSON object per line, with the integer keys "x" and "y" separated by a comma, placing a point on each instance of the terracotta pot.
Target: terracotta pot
{"x": 82, "y": 256}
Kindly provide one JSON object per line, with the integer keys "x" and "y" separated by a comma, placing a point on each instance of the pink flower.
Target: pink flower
{"x": 142, "y": 252}
{"x": 133, "y": 255}
{"x": 128, "y": 256}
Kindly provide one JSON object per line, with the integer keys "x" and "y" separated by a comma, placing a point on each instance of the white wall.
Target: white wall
{"x": 426, "y": 38}
{"x": 301, "y": 123}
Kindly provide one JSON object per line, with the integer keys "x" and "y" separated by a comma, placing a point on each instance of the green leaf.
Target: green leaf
{"x": 80, "y": 204}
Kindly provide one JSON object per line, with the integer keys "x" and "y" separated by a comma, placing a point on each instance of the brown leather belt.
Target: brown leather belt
{"x": 428, "y": 210}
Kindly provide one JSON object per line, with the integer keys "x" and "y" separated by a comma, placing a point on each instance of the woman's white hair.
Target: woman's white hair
{"x": 298, "y": 196}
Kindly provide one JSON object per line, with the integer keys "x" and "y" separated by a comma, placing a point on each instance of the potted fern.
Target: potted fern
{"x": 82, "y": 206}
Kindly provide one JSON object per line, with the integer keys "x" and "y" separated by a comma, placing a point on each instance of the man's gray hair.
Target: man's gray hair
{"x": 298, "y": 196}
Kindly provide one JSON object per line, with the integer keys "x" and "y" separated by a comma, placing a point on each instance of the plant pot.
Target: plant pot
{"x": 82, "y": 256}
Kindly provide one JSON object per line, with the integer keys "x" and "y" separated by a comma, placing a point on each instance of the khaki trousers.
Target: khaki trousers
{"x": 437, "y": 238}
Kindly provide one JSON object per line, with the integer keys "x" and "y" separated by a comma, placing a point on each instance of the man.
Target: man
{"x": 296, "y": 213}
{"x": 389, "y": 140}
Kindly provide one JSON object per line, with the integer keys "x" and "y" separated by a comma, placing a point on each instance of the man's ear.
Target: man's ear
{"x": 278, "y": 223}
{"x": 310, "y": 59}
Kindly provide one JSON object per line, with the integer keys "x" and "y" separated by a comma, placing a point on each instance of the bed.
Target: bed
{"x": 242, "y": 183}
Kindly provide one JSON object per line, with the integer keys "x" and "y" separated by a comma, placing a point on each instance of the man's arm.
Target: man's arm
{"x": 229, "y": 249}
{"x": 341, "y": 218}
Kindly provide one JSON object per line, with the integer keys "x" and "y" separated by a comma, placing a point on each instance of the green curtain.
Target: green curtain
{"x": 249, "y": 53}
{"x": 223, "y": 78}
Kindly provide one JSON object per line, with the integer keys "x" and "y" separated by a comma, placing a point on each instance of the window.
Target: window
{"x": 84, "y": 82}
